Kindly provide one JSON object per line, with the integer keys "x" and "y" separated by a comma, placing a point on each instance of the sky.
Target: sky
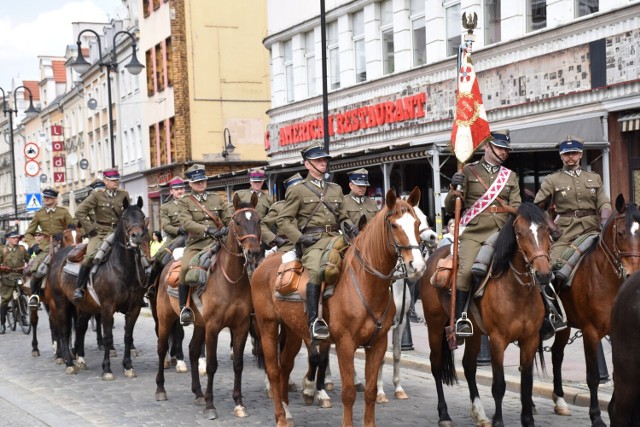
{"x": 29, "y": 28}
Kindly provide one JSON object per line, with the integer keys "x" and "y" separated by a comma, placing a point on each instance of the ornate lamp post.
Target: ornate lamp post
{"x": 81, "y": 66}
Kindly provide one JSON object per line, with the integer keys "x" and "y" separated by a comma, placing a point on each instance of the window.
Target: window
{"x": 418, "y": 32}
{"x": 492, "y": 33}
{"x": 172, "y": 139}
{"x": 536, "y": 14}
{"x": 153, "y": 145}
{"x": 288, "y": 70}
{"x": 145, "y": 8}
{"x": 586, "y": 7}
{"x": 149, "y": 68}
{"x": 159, "y": 68}
{"x": 454, "y": 29}
{"x": 357, "y": 27}
{"x": 310, "y": 62}
{"x": 386, "y": 30}
{"x": 162, "y": 133}
{"x": 334, "y": 54}
{"x": 169, "y": 52}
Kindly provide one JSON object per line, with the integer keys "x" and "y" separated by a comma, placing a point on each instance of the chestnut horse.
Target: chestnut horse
{"x": 119, "y": 286}
{"x": 359, "y": 313}
{"x": 589, "y": 300}
{"x": 511, "y": 309}
{"x": 624, "y": 408}
{"x": 226, "y": 303}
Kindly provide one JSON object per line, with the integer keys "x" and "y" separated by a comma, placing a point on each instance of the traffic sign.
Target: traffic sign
{"x": 32, "y": 168}
{"x": 31, "y": 150}
{"x": 34, "y": 202}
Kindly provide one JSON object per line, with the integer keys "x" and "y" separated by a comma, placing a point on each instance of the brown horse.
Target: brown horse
{"x": 226, "y": 303}
{"x": 624, "y": 408}
{"x": 511, "y": 309}
{"x": 359, "y": 313}
{"x": 118, "y": 284}
{"x": 589, "y": 300}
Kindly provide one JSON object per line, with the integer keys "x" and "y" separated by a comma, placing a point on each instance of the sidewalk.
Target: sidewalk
{"x": 573, "y": 369}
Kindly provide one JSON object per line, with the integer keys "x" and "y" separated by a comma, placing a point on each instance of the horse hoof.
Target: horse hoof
{"x": 165, "y": 365}
{"x": 71, "y": 370}
{"x": 35, "y": 353}
{"x": 382, "y": 398}
{"x": 59, "y": 361}
{"x": 325, "y": 403}
{"x": 327, "y": 386}
{"x": 181, "y": 367}
{"x": 130, "y": 373}
{"x": 448, "y": 423}
{"x": 307, "y": 399}
{"x": 240, "y": 411}
{"x": 485, "y": 424}
{"x": 210, "y": 414}
{"x": 562, "y": 411}
{"x": 134, "y": 353}
{"x": 81, "y": 366}
{"x": 101, "y": 347}
{"x": 293, "y": 387}
{"x": 174, "y": 361}
{"x": 161, "y": 396}
{"x": 360, "y": 388}
{"x": 200, "y": 401}
{"x": 401, "y": 395}
{"x": 108, "y": 376}
{"x": 113, "y": 353}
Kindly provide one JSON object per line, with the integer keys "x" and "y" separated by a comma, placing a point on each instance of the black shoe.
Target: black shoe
{"x": 319, "y": 330}
{"x": 186, "y": 316}
{"x": 2, "y": 329}
{"x": 78, "y": 294}
{"x": 34, "y": 301}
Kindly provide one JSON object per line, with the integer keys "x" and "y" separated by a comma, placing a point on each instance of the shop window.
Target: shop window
{"x": 357, "y": 27}
{"x": 454, "y": 28}
{"x": 386, "y": 30}
{"x": 334, "y": 54}
{"x": 586, "y": 7}
{"x": 310, "y": 62}
{"x": 169, "y": 61}
{"x": 288, "y": 69}
{"x": 159, "y": 68}
{"x": 492, "y": 22}
{"x": 536, "y": 15}
{"x": 153, "y": 146}
{"x": 149, "y": 60}
{"x": 418, "y": 33}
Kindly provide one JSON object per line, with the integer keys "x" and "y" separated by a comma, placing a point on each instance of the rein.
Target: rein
{"x": 615, "y": 255}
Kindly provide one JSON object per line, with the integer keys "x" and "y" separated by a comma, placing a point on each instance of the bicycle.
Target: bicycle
{"x": 18, "y": 309}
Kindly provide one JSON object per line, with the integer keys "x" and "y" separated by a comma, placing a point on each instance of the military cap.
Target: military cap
{"x": 196, "y": 173}
{"x": 97, "y": 184}
{"x": 257, "y": 175}
{"x": 292, "y": 180}
{"x": 12, "y": 233}
{"x": 314, "y": 151}
{"x": 501, "y": 138}
{"x": 176, "y": 182}
{"x": 49, "y": 192}
{"x": 571, "y": 144}
{"x": 359, "y": 177}
{"x": 111, "y": 174}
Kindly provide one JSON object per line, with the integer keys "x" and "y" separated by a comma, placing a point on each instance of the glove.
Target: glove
{"x": 181, "y": 231}
{"x": 279, "y": 241}
{"x": 350, "y": 229}
{"x": 36, "y": 249}
{"x": 307, "y": 240}
{"x": 217, "y": 233}
{"x": 555, "y": 234}
{"x": 71, "y": 227}
{"x": 457, "y": 179}
{"x": 93, "y": 233}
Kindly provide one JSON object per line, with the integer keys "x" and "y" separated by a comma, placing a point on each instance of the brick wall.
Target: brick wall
{"x": 180, "y": 71}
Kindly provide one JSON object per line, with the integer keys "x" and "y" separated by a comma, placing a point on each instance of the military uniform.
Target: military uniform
{"x": 269, "y": 223}
{"x": 170, "y": 221}
{"x": 12, "y": 262}
{"x": 264, "y": 200}
{"x": 358, "y": 207}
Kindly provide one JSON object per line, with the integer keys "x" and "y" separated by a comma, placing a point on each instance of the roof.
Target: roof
{"x": 59, "y": 71}
{"x": 34, "y": 86}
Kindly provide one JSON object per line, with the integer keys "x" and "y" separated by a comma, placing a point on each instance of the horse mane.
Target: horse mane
{"x": 506, "y": 244}
{"x": 632, "y": 214}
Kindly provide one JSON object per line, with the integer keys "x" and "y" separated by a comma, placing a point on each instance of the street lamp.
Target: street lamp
{"x": 228, "y": 146}
{"x": 81, "y": 66}
{"x": 29, "y": 112}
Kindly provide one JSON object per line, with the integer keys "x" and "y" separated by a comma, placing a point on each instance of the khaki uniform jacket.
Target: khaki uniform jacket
{"x": 356, "y": 209}
{"x": 169, "y": 219}
{"x": 484, "y": 224}
{"x": 51, "y": 222}
{"x": 569, "y": 194}
{"x": 264, "y": 201}
{"x": 107, "y": 211}
{"x": 269, "y": 223}
{"x": 195, "y": 221}
{"x": 14, "y": 258}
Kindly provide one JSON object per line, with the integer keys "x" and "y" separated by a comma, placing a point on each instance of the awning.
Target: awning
{"x": 549, "y": 135}
{"x": 630, "y": 122}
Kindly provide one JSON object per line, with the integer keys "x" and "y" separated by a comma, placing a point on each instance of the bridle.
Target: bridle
{"x": 614, "y": 255}
{"x": 239, "y": 240}
{"x": 520, "y": 276}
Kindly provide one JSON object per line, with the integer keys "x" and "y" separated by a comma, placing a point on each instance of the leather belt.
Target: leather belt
{"x": 325, "y": 229}
{"x": 579, "y": 213}
{"x": 496, "y": 209}
{"x": 106, "y": 224}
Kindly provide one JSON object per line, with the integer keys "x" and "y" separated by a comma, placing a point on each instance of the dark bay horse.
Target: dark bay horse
{"x": 589, "y": 300}
{"x": 359, "y": 313}
{"x": 624, "y": 408}
{"x": 226, "y": 303}
{"x": 511, "y": 309}
{"x": 118, "y": 284}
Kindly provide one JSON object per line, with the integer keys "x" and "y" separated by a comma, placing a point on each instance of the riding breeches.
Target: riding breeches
{"x": 312, "y": 257}
{"x": 467, "y": 252}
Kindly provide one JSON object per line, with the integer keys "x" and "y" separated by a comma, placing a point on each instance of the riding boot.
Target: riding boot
{"x": 554, "y": 318}
{"x": 318, "y": 328}
{"x": 186, "y": 315}
{"x": 3, "y": 319}
{"x": 83, "y": 276}
{"x": 464, "y": 328}
{"x": 34, "y": 299}
{"x": 156, "y": 269}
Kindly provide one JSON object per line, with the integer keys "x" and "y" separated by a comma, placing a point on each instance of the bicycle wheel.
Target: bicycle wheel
{"x": 11, "y": 315}
{"x": 25, "y": 314}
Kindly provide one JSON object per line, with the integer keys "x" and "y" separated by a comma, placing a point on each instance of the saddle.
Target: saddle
{"x": 292, "y": 279}
{"x": 442, "y": 277}
{"x": 570, "y": 259}
{"x": 77, "y": 253}
{"x": 173, "y": 277}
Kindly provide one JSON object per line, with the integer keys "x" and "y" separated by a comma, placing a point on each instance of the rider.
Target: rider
{"x": 257, "y": 178}
{"x": 98, "y": 215}
{"x": 271, "y": 236}
{"x": 50, "y": 220}
{"x": 310, "y": 218}
{"x": 169, "y": 213}
{"x": 197, "y": 213}
{"x": 580, "y": 201}
{"x": 13, "y": 259}
{"x": 479, "y": 181}
{"x": 358, "y": 204}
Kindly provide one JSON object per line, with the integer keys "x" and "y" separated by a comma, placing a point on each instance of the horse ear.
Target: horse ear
{"x": 414, "y": 197}
{"x": 236, "y": 201}
{"x": 125, "y": 203}
{"x": 254, "y": 199}
{"x": 362, "y": 223}
{"x": 620, "y": 203}
{"x": 140, "y": 202}
{"x": 146, "y": 222}
{"x": 391, "y": 199}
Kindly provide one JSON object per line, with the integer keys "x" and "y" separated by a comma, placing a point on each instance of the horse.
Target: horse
{"x": 589, "y": 299}
{"x": 226, "y": 303}
{"x": 359, "y": 313}
{"x": 624, "y": 408}
{"x": 511, "y": 309}
{"x": 118, "y": 285}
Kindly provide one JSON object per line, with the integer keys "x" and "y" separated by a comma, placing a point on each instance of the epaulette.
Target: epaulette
{"x": 331, "y": 183}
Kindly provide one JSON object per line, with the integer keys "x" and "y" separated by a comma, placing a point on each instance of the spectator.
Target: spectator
{"x": 447, "y": 238}
{"x": 156, "y": 242}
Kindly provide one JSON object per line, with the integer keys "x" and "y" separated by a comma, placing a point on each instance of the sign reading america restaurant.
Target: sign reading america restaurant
{"x": 351, "y": 120}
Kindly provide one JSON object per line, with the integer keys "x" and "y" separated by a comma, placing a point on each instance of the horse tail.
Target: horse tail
{"x": 543, "y": 365}
{"x": 449, "y": 376}
{"x": 257, "y": 343}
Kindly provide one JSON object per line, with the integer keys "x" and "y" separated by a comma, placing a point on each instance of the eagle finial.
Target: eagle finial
{"x": 469, "y": 22}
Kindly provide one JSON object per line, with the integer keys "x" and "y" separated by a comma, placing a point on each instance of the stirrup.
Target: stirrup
{"x": 78, "y": 294}
{"x": 461, "y": 323}
{"x": 319, "y": 330}
{"x": 186, "y": 316}
{"x": 557, "y": 322}
{"x": 34, "y": 301}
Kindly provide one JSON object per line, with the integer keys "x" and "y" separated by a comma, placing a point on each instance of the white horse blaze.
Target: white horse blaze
{"x": 406, "y": 222}
{"x": 634, "y": 228}
{"x": 534, "y": 230}
{"x": 247, "y": 215}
